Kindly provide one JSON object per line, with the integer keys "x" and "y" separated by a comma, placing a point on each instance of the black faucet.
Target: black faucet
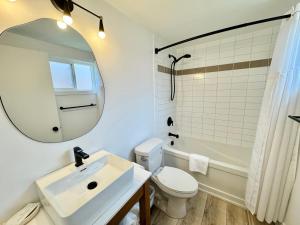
{"x": 79, "y": 154}
{"x": 173, "y": 135}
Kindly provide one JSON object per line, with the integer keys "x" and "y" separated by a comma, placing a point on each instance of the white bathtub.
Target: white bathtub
{"x": 228, "y": 166}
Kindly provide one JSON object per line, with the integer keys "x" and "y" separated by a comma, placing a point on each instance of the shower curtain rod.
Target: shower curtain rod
{"x": 157, "y": 50}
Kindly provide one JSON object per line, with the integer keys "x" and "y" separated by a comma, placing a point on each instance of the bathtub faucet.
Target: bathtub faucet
{"x": 173, "y": 135}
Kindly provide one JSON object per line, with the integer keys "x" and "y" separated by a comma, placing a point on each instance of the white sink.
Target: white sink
{"x": 67, "y": 198}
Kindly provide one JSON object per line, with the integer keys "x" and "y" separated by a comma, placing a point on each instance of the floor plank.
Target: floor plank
{"x": 236, "y": 215}
{"x": 253, "y": 221}
{"x": 215, "y": 211}
{"x": 163, "y": 219}
{"x": 195, "y": 210}
{"x": 205, "y": 209}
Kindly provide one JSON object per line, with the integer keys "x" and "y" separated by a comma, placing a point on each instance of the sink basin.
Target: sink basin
{"x": 78, "y": 196}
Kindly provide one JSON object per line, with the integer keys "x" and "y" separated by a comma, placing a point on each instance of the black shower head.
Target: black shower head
{"x": 184, "y": 56}
{"x": 175, "y": 60}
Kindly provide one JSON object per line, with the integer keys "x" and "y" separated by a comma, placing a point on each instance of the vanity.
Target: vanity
{"x": 138, "y": 193}
{"x": 69, "y": 198}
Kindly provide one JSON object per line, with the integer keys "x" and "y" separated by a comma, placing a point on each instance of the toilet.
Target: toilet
{"x": 173, "y": 186}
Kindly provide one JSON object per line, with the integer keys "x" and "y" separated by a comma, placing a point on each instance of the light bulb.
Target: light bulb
{"x": 62, "y": 25}
{"x": 101, "y": 34}
{"x": 67, "y": 19}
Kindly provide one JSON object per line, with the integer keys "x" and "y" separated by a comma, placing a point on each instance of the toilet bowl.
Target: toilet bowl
{"x": 173, "y": 186}
{"x": 177, "y": 187}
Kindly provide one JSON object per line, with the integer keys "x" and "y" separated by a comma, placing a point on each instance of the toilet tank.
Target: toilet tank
{"x": 149, "y": 154}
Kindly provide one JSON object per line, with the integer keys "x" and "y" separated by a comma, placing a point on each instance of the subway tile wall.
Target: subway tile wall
{"x": 219, "y": 106}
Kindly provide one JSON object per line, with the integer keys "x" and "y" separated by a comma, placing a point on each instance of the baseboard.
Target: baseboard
{"x": 222, "y": 195}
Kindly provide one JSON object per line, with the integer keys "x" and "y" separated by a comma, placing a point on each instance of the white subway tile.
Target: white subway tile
{"x": 218, "y": 106}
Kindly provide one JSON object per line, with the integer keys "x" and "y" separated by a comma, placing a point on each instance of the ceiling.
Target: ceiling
{"x": 175, "y": 20}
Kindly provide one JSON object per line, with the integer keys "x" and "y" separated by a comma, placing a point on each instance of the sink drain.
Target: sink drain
{"x": 92, "y": 185}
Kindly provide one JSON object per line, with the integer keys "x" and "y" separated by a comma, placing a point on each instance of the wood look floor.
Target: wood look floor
{"x": 205, "y": 209}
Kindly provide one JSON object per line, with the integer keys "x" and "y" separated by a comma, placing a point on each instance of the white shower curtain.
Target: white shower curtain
{"x": 275, "y": 152}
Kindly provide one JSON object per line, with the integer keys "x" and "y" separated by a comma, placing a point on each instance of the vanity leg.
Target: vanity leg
{"x": 145, "y": 205}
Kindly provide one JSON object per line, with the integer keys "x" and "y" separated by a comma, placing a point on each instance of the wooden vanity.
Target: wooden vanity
{"x": 138, "y": 192}
{"x": 142, "y": 196}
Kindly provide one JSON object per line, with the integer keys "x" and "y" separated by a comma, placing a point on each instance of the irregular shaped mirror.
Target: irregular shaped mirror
{"x": 50, "y": 86}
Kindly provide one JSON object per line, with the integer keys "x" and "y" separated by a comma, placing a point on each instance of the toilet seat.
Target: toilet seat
{"x": 176, "y": 182}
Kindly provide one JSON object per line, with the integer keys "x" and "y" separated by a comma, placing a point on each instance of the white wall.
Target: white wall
{"x": 126, "y": 62}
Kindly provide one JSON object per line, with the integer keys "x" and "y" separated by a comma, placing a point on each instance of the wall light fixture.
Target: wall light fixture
{"x": 66, "y": 7}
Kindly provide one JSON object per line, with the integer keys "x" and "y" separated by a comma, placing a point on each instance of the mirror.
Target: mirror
{"x": 50, "y": 85}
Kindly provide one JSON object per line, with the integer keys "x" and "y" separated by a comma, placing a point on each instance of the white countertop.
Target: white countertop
{"x": 139, "y": 178}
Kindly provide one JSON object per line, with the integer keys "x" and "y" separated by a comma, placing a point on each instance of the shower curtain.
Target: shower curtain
{"x": 275, "y": 153}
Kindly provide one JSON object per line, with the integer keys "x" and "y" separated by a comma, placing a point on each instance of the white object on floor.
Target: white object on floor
{"x": 24, "y": 215}
{"x": 198, "y": 163}
{"x": 130, "y": 219}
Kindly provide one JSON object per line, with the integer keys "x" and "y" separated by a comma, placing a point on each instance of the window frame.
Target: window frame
{"x": 74, "y": 90}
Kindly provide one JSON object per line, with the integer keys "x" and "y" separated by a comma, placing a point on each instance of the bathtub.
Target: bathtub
{"x": 228, "y": 166}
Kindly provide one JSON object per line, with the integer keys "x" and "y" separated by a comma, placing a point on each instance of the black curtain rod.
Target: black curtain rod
{"x": 157, "y": 50}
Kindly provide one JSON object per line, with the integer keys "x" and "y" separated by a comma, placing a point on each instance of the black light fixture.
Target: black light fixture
{"x": 66, "y": 7}
{"x": 67, "y": 18}
{"x": 101, "y": 32}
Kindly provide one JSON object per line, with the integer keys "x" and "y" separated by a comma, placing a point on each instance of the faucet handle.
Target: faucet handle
{"x": 81, "y": 153}
{"x": 77, "y": 149}
{"x": 170, "y": 121}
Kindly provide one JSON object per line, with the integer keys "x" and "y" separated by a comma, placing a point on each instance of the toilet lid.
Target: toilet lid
{"x": 177, "y": 180}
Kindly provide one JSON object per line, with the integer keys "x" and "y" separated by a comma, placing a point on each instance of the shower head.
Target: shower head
{"x": 186, "y": 56}
{"x": 175, "y": 60}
